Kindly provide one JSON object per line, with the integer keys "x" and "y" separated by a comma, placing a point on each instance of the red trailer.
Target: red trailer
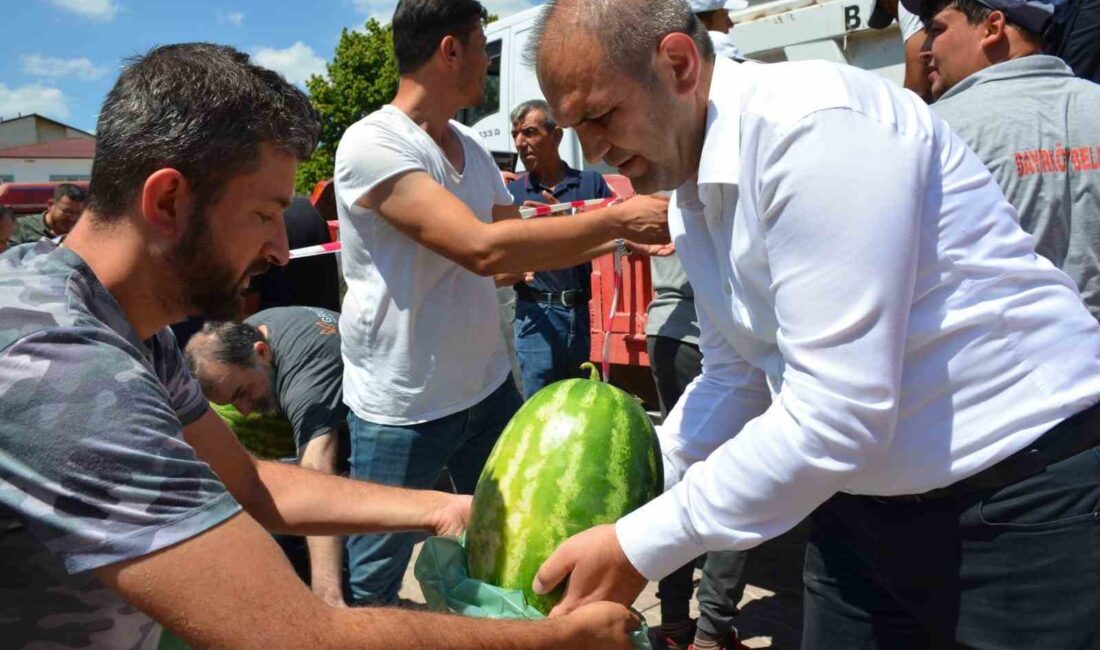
{"x": 30, "y": 198}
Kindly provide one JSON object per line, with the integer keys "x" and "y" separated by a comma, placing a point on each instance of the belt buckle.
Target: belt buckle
{"x": 567, "y": 299}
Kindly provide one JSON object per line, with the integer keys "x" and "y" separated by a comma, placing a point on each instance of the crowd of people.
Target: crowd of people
{"x": 871, "y": 312}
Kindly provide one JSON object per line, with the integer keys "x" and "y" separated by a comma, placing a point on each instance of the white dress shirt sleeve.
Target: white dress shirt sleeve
{"x": 840, "y": 198}
{"x": 722, "y": 399}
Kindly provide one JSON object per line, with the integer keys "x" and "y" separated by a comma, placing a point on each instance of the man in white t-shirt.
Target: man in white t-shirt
{"x": 424, "y": 216}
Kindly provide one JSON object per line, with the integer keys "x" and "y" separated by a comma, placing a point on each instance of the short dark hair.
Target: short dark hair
{"x": 69, "y": 191}
{"x": 419, "y": 26}
{"x": 6, "y": 213}
{"x": 224, "y": 342}
{"x": 521, "y": 111}
{"x": 199, "y": 108}
{"x": 975, "y": 13}
{"x": 629, "y": 31}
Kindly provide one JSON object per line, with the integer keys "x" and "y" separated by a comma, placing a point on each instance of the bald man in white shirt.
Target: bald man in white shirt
{"x": 881, "y": 345}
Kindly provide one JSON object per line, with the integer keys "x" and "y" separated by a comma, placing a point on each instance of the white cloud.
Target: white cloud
{"x": 48, "y": 66}
{"x": 33, "y": 98}
{"x": 98, "y": 9}
{"x": 380, "y": 10}
{"x": 296, "y": 62}
{"x": 233, "y": 18}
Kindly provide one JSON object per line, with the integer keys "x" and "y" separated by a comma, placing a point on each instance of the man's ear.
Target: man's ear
{"x": 166, "y": 203}
{"x": 450, "y": 48}
{"x": 993, "y": 28}
{"x": 558, "y": 134}
{"x": 678, "y": 58}
{"x": 263, "y": 350}
{"x": 50, "y": 204}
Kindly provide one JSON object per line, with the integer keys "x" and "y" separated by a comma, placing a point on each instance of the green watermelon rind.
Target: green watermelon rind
{"x": 266, "y": 436}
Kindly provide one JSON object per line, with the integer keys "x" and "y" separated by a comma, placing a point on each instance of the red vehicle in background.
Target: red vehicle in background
{"x": 30, "y": 198}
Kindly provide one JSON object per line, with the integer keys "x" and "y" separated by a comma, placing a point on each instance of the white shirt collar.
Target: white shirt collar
{"x": 720, "y": 160}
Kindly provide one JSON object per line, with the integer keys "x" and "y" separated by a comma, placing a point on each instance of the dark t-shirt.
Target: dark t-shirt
{"x": 577, "y": 186}
{"x": 1074, "y": 37}
{"x": 309, "y": 371}
{"x": 310, "y": 281}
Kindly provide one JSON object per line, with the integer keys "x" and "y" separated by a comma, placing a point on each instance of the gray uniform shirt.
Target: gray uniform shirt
{"x": 672, "y": 312}
{"x": 94, "y": 469}
{"x": 1037, "y": 128}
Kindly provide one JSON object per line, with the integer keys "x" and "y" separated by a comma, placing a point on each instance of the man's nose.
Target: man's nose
{"x": 243, "y": 405}
{"x": 593, "y": 143}
{"x": 277, "y": 249}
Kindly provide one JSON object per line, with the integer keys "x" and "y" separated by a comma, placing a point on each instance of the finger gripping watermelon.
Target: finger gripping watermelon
{"x": 578, "y": 454}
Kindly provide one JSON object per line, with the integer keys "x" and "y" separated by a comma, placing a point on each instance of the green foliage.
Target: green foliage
{"x": 362, "y": 77}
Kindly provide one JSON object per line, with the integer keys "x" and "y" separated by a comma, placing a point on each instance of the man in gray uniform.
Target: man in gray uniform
{"x": 672, "y": 341}
{"x": 1028, "y": 118}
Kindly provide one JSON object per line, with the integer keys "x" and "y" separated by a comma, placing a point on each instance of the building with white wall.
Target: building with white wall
{"x": 61, "y": 160}
{"x": 36, "y": 149}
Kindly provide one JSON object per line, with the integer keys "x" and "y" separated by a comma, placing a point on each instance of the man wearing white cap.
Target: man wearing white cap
{"x": 714, "y": 14}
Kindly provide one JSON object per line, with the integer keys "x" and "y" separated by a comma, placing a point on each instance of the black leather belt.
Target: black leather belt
{"x": 1068, "y": 438}
{"x": 572, "y": 298}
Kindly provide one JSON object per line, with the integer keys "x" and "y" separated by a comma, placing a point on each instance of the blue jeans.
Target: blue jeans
{"x": 414, "y": 456}
{"x": 551, "y": 343}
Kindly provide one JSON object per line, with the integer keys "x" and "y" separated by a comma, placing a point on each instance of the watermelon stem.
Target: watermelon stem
{"x": 594, "y": 372}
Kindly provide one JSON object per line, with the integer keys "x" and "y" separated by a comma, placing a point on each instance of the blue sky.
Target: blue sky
{"x": 62, "y": 56}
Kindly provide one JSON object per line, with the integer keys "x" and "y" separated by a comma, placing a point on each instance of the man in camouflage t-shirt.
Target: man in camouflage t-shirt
{"x": 79, "y": 386}
{"x": 124, "y": 500}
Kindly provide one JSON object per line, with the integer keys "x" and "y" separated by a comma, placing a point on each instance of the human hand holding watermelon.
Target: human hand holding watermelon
{"x": 597, "y": 570}
{"x": 450, "y": 517}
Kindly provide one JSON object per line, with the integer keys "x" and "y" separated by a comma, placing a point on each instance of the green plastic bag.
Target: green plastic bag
{"x": 441, "y": 571}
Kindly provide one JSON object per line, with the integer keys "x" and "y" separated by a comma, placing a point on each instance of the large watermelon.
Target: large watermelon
{"x": 267, "y": 435}
{"x": 578, "y": 454}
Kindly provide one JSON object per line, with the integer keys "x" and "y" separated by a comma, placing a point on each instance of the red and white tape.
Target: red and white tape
{"x": 544, "y": 210}
{"x": 313, "y": 251}
{"x": 526, "y": 213}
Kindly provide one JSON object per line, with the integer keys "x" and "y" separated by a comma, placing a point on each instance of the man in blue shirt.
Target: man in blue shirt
{"x": 552, "y": 321}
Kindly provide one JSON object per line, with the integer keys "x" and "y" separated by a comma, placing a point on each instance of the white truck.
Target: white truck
{"x": 776, "y": 30}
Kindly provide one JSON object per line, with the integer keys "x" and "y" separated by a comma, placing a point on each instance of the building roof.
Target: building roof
{"x": 67, "y": 148}
{"x": 46, "y": 119}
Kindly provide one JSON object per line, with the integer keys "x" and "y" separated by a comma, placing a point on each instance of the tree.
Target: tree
{"x": 362, "y": 77}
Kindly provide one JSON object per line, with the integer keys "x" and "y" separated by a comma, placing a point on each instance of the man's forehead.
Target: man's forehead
{"x": 582, "y": 102}
{"x": 534, "y": 117}
{"x": 571, "y": 75}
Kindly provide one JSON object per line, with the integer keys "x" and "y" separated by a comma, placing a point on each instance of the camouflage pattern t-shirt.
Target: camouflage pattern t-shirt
{"x": 93, "y": 466}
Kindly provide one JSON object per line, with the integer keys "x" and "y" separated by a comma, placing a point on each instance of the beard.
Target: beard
{"x": 209, "y": 283}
